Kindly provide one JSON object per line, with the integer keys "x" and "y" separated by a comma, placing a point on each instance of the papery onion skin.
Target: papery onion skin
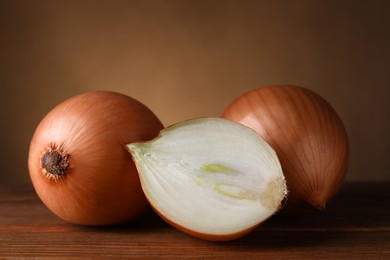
{"x": 307, "y": 135}
{"x": 100, "y": 184}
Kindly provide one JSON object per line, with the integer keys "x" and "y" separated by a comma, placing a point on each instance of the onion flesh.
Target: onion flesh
{"x": 210, "y": 177}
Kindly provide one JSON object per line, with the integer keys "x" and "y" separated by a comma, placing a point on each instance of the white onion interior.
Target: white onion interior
{"x": 210, "y": 175}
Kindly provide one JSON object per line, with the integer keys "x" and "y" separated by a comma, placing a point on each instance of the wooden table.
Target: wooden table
{"x": 355, "y": 225}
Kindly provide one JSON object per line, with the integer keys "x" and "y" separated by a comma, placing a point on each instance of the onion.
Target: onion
{"x": 307, "y": 135}
{"x": 210, "y": 177}
{"x": 79, "y": 165}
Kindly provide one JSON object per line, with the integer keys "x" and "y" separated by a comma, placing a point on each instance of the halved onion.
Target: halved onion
{"x": 210, "y": 177}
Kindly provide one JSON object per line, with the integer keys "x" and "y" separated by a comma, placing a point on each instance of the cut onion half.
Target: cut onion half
{"x": 212, "y": 178}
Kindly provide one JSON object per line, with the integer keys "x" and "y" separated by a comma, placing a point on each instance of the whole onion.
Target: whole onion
{"x": 307, "y": 135}
{"x": 78, "y": 163}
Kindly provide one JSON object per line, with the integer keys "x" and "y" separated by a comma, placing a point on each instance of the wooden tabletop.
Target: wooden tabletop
{"x": 355, "y": 225}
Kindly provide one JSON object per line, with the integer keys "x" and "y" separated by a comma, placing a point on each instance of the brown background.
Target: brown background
{"x": 188, "y": 59}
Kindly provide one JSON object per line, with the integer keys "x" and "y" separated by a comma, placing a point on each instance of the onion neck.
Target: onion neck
{"x": 54, "y": 164}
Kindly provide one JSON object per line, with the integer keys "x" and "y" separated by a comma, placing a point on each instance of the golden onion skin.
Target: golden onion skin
{"x": 99, "y": 185}
{"x": 307, "y": 135}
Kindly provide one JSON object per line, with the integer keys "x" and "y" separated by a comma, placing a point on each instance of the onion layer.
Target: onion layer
{"x": 78, "y": 163}
{"x": 307, "y": 135}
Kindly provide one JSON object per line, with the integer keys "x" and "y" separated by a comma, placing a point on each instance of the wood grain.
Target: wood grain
{"x": 356, "y": 225}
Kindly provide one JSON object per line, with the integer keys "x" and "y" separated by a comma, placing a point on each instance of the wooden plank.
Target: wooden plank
{"x": 355, "y": 225}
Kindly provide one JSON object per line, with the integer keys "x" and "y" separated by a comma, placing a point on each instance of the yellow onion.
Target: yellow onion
{"x": 79, "y": 165}
{"x": 307, "y": 135}
{"x": 212, "y": 178}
